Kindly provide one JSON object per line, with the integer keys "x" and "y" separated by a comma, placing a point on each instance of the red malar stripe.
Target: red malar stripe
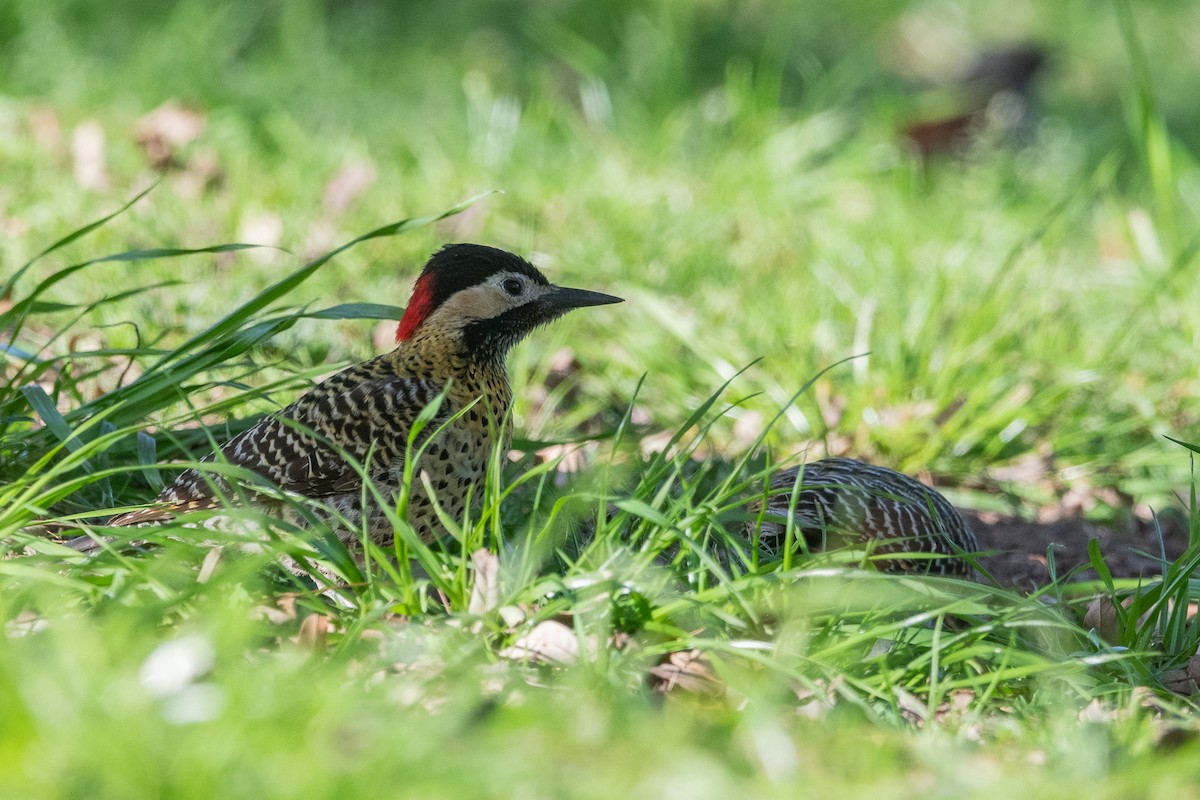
{"x": 419, "y": 307}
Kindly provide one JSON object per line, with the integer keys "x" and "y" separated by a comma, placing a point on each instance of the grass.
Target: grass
{"x": 798, "y": 283}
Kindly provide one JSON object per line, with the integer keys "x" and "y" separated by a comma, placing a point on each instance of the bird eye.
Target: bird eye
{"x": 513, "y": 286}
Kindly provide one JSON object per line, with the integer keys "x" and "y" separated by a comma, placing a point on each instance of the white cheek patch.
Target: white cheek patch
{"x": 478, "y": 302}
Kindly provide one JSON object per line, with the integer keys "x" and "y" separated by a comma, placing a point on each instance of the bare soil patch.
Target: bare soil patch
{"x": 1132, "y": 549}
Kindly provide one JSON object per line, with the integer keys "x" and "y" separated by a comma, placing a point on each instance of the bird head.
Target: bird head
{"x": 489, "y": 297}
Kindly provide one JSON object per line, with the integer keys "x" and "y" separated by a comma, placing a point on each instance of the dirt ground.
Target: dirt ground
{"x": 1130, "y": 550}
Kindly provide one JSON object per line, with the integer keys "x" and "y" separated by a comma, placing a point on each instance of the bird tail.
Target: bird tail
{"x": 68, "y": 534}
{"x": 73, "y": 536}
{"x": 163, "y": 512}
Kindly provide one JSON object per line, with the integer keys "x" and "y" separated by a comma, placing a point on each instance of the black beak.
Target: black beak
{"x": 563, "y": 299}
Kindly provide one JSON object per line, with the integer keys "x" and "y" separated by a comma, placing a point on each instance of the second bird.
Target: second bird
{"x": 910, "y": 525}
{"x": 469, "y": 306}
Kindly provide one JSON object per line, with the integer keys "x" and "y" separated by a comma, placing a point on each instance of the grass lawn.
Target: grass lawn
{"x": 1015, "y": 317}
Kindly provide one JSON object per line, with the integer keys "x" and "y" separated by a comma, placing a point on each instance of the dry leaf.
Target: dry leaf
{"x": 562, "y": 364}
{"x": 685, "y": 670}
{"x": 203, "y": 171}
{"x": 911, "y": 708}
{"x": 746, "y": 430}
{"x": 383, "y": 335}
{"x": 282, "y": 612}
{"x": 550, "y": 642}
{"x": 817, "y": 701}
{"x": 1096, "y": 712}
{"x": 903, "y": 414}
{"x": 1193, "y": 668}
{"x": 485, "y": 591}
{"x": 655, "y": 443}
{"x": 831, "y": 406}
{"x": 45, "y": 128}
{"x": 314, "y": 631}
{"x": 88, "y": 155}
{"x": 1101, "y": 616}
{"x": 1178, "y": 681}
{"x": 952, "y": 408}
{"x": 512, "y": 616}
{"x": 1172, "y": 738}
{"x": 166, "y": 129}
{"x": 265, "y": 229}
{"x": 347, "y": 185}
{"x": 464, "y": 226}
{"x": 955, "y": 706}
{"x": 322, "y": 236}
{"x": 572, "y": 458}
{"x": 25, "y": 624}
{"x": 209, "y": 565}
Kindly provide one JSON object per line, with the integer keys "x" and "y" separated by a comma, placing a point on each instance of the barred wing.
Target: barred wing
{"x": 362, "y": 415}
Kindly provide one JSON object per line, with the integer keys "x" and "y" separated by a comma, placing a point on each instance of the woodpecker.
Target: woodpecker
{"x": 843, "y": 499}
{"x": 469, "y": 306}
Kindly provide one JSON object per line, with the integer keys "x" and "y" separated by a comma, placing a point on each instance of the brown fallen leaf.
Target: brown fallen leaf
{"x": 209, "y": 565}
{"x": 1178, "y": 681}
{"x": 746, "y": 430}
{"x": 656, "y": 442}
{"x": 202, "y": 172}
{"x": 1193, "y": 668}
{"x": 485, "y": 590}
{"x": 1101, "y": 616}
{"x": 45, "y": 129}
{"x": 264, "y": 229}
{"x": 956, "y": 704}
{"x": 321, "y": 238}
{"x": 1173, "y": 737}
{"x": 1096, "y": 712}
{"x": 549, "y": 642}
{"x": 26, "y": 623}
{"x": 383, "y": 335}
{"x": 911, "y": 707}
{"x": 464, "y": 226}
{"x": 685, "y": 670}
{"x": 572, "y": 458}
{"x": 89, "y": 156}
{"x": 831, "y": 406}
{"x": 314, "y": 631}
{"x": 162, "y": 132}
{"x": 282, "y": 612}
{"x": 818, "y": 700}
{"x": 347, "y": 185}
